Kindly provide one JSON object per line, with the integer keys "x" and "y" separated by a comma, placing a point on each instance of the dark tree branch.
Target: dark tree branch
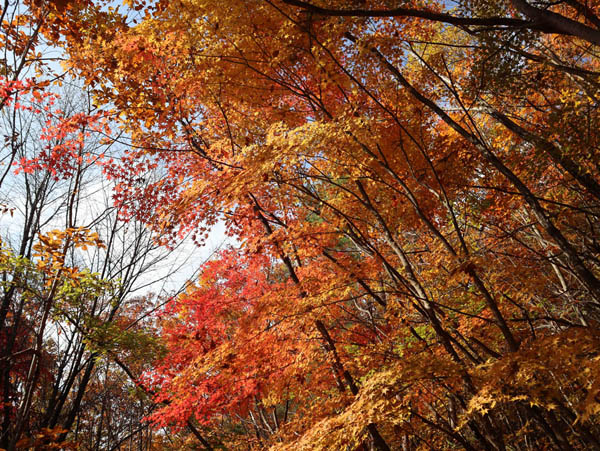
{"x": 538, "y": 19}
{"x": 411, "y": 12}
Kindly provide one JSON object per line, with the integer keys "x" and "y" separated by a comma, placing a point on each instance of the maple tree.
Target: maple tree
{"x": 414, "y": 189}
{"x": 69, "y": 264}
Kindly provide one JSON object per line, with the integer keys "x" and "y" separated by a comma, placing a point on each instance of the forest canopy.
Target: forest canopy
{"x": 411, "y": 190}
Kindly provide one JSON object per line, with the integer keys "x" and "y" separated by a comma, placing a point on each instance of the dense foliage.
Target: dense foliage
{"x": 412, "y": 188}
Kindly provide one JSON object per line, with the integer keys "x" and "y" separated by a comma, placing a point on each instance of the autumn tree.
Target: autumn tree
{"x": 414, "y": 189}
{"x": 75, "y": 277}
